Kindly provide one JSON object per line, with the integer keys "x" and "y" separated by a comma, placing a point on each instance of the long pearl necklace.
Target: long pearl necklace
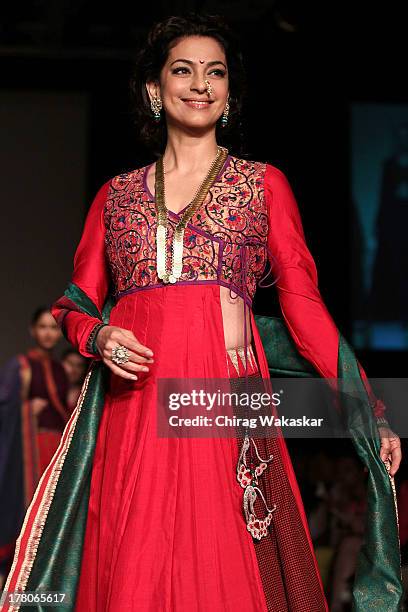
{"x": 162, "y": 217}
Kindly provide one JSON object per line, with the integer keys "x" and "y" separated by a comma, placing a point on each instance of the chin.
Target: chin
{"x": 198, "y": 124}
{"x": 190, "y": 121}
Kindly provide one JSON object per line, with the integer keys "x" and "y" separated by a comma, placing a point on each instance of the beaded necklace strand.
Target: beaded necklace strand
{"x": 162, "y": 217}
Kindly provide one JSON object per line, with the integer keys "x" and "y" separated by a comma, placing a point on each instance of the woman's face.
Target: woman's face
{"x": 45, "y": 331}
{"x": 184, "y": 93}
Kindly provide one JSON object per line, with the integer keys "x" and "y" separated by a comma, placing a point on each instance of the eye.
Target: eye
{"x": 218, "y": 72}
{"x": 180, "y": 70}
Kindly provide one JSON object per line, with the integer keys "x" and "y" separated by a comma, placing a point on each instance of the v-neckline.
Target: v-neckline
{"x": 152, "y": 196}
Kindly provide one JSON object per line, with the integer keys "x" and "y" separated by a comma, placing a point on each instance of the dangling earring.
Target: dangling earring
{"x": 224, "y": 117}
{"x": 156, "y": 106}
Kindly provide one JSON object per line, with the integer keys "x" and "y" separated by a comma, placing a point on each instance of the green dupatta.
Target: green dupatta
{"x": 57, "y": 545}
{"x": 378, "y": 581}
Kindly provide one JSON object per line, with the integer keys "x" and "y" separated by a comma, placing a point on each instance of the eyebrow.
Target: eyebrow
{"x": 192, "y": 63}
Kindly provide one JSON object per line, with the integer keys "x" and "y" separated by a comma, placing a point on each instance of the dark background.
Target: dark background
{"x": 306, "y": 64}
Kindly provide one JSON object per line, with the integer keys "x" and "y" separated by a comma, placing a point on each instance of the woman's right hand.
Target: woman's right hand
{"x": 110, "y": 337}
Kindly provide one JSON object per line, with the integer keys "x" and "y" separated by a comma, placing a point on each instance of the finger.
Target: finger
{"x": 135, "y": 363}
{"x": 135, "y": 345}
{"x": 133, "y": 367}
{"x": 139, "y": 358}
{"x": 132, "y": 356}
{"x": 385, "y": 448}
{"x": 119, "y": 371}
{"x": 129, "y": 366}
{"x": 396, "y": 457}
{"x": 119, "y": 338}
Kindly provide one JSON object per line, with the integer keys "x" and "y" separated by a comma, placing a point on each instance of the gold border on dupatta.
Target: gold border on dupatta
{"x": 394, "y": 494}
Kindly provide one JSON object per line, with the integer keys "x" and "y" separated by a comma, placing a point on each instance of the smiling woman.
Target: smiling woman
{"x": 183, "y": 89}
{"x": 222, "y": 68}
{"x": 164, "y": 279}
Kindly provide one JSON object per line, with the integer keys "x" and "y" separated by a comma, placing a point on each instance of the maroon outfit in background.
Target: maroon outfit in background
{"x": 49, "y": 417}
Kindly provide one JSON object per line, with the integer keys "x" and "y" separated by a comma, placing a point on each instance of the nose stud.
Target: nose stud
{"x": 209, "y": 87}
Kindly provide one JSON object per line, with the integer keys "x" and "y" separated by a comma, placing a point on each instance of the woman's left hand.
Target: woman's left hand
{"x": 390, "y": 448}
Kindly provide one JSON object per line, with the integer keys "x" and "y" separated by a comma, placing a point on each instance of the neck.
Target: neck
{"x": 41, "y": 351}
{"x": 187, "y": 153}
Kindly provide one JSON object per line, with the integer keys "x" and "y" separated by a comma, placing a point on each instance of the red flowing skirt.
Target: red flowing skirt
{"x": 165, "y": 527}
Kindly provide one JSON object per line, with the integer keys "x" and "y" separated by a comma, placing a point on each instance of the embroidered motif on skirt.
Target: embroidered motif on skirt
{"x": 250, "y": 467}
{"x": 247, "y": 476}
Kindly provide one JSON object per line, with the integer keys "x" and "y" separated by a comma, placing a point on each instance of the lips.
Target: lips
{"x": 199, "y": 104}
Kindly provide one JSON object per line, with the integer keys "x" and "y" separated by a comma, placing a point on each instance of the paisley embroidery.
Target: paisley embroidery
{"x": 233, "y": 211}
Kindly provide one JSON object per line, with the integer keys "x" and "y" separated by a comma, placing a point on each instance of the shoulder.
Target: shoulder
{"x": 276, "y": 180}
{"x": 277, "y": 186}
{"x": 278, "y": 194}
{"x": 246, "y": 167}
{"x": 114, "y": 184}
{"x": 271, "y": 175}
{"x": 121, "y": 181}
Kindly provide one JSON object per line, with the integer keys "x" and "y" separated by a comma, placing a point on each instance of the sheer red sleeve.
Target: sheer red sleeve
{"x": 90, "y": 275}
{"x": 307, "y": 318}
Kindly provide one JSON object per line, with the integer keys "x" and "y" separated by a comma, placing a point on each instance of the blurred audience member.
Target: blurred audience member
{"x": 33, "y": 414}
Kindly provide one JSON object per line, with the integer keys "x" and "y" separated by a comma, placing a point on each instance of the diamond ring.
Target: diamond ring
{"x": 120, "y": 354}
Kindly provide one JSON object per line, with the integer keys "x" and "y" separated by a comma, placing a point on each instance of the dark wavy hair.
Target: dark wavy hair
{"x": 38, "y": 313}
{"x": 151, "y": 58}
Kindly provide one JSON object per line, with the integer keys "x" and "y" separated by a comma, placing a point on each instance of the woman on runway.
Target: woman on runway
{"x": 33, "y": 413}
{"x": 156, "y": 523}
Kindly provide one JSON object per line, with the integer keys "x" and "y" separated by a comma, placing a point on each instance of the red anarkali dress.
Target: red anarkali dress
{"x": 165, "y": 528}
